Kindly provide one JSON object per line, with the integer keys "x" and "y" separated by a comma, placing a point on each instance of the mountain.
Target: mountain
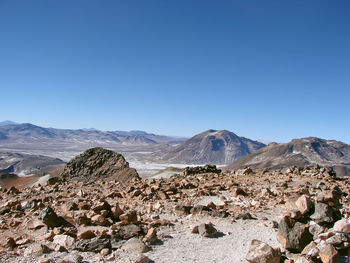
{"x": 215, "y": 147}
{"x": 308, "y": 151}
{"x": 3, "y": 123}
{"x": 138, "y": 139}
{"x": 25, "y": 164}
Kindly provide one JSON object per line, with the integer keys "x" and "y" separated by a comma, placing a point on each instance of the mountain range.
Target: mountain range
{"x": 146, "y": 151}
{"x": 30, "y": 132}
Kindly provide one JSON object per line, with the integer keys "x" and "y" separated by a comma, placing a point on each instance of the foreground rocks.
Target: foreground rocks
{"x": 316, "y": 231}
{"x": 89, "y": 218}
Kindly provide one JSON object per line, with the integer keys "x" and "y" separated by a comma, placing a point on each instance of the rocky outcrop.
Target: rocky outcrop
{"x": 99, "y": 163}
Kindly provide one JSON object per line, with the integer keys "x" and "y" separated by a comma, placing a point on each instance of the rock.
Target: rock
{"x": 92, "y": 245}
{"x": 301, "y": 259}
{"x": 72, "y": 258}
{"x": 87, "y": 234}
{"x": 342, "y": 226}
{"x": 98, "y": 220}
{"x": 182, "y": 210}
{"x": 201, "y": 169}
{"x": 104, "y": 252}
{"x": 116, "y": 211}
{"x": 135, "y": 245}
{"x": 163, "y": 195}
{"x": 195, "y": 230}
{"x": 323, "y": 213}
{"x": 310, "y": 250}
{"x": 239, "y": 191}
{"x": 244, "y": 216}
{"x": 99, "y": 163}
{"x": 142, "y": 259}
{"x": 129, "y": 231}
{"x": 52, "y": 180}
{"x": 207, "y": 230}
{"x": 151, "y": 236}
{"x": 328, "y": 253}
{"x": 293, "y": 235}
{"x": 64, "y": 240}
{"x": 36, "y": 250}
{"x": 198, "y": 209}
{"x": 304, "y": 204}
{"x": 260, "y": 252}
{"x": 51, "y": 219}
{"x": 316, "y": 229}
{"x": 4, "y": 210}
{"x": 129, "y": 218}
{"x": 10, "y": 243}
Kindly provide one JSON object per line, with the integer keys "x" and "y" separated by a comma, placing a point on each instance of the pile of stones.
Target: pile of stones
{"x": 316, "y": 229}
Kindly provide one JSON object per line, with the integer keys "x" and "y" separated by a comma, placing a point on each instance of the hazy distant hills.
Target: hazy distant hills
{"x": 28, "y": 132}
{"x": 299, "y": 152}
{"x": 215, "y": 147}
{"x": 3, "y": 123}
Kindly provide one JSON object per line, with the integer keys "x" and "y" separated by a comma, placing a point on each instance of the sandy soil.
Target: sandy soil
{"x": 231, "y": 247}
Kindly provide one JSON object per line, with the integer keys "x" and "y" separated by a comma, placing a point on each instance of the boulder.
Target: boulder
{"x": 328, "y": 253}
{"x": 304, "y": 204}
{"x": 92, "y": 245}
{"x": 135, "y": 245}
{"x": 129, "y": 217}
{"x": 342, "y": 226}
{"x": 260, "y": 252}
{"x": 207, "y": 230}
{"x": 51, "y": 219}
{"x": 323, "y": 213}
{"x": 129, "y": 231}
{"x": 64, "y": 240}
{"x": 293, "y": 235}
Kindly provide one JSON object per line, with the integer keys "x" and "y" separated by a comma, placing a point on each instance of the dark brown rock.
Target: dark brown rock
{"x": 293, "y": 235}
{"x": 99, "y": 163}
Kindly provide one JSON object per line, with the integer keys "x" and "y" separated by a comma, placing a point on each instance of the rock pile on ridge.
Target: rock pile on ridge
{"x": 99, "y": 163}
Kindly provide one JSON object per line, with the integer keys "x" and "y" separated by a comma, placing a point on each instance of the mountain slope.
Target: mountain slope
{"x": 299, "y": 152}
{"x": 216, "y": 147}
{"x": 25, "y": 164}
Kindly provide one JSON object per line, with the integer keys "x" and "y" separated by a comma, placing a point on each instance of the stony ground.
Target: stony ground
{"x": 159, "y": 220}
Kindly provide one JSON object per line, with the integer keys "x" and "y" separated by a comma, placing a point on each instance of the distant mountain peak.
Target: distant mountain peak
{"x": 212, "y": 146}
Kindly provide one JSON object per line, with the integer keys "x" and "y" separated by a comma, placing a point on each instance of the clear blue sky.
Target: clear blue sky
{"x": 273, "y": 70}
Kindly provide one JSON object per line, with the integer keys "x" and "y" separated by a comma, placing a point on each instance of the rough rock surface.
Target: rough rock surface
{"x": 260, "y": 252}
{"x": 99, "y": 163}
